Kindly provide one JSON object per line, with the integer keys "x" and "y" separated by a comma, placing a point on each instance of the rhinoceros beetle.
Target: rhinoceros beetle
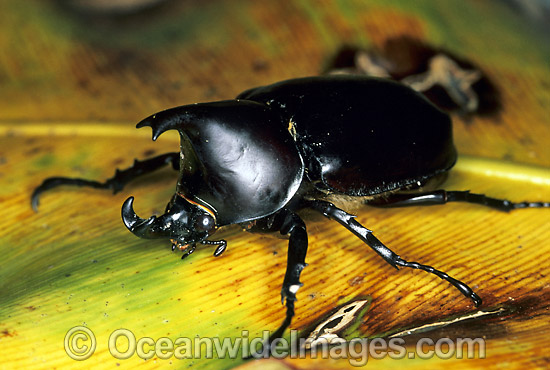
{"x": 274, "y": 150}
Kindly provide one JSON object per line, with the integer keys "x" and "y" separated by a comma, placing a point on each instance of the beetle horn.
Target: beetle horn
{"x": 187, "y": 118}
{"x": 169, "y": 119}
{"x": 151, "y": 228}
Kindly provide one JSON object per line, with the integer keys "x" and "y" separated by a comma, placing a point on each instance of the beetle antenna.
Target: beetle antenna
{"x": 222, "y": 245}
{"x": 188, "y": 251}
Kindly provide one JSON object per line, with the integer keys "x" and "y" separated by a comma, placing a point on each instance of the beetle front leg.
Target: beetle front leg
{"x": 116, "y": 183}
{"x": 288, "y": 223}
{"x": 297, "y": 250}
{"x": 347, "y": 220}
{"x": 442, "y": 196}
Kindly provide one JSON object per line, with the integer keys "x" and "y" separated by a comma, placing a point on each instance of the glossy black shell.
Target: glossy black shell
{"x": 359, "y": 135}
{"x": 246, "y": 158}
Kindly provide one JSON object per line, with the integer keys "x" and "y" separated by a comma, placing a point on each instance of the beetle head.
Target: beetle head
{"x": 185, "y": 222}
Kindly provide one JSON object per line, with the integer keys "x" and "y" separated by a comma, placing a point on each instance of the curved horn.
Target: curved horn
{"x": 151, "y": 228}
{"x": 169, "y": 119}
{"x": 188, "y": 118}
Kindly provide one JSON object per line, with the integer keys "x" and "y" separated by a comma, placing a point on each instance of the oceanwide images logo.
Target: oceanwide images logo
{"x": 80, "y": 343}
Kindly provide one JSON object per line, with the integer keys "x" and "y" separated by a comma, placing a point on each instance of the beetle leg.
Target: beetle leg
{"x": 117, "y": 182}
{"x": 442, "y": 196}
{"x": 287, "y": 223}
{"x": 347, "y": 220}
{"x": 295, "y": 227}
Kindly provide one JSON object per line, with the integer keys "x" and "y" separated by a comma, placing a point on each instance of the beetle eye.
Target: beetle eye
{"x": 204, "y": 223}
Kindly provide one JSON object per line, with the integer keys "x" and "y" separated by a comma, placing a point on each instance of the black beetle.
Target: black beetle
{"x": 274, "y": 150}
